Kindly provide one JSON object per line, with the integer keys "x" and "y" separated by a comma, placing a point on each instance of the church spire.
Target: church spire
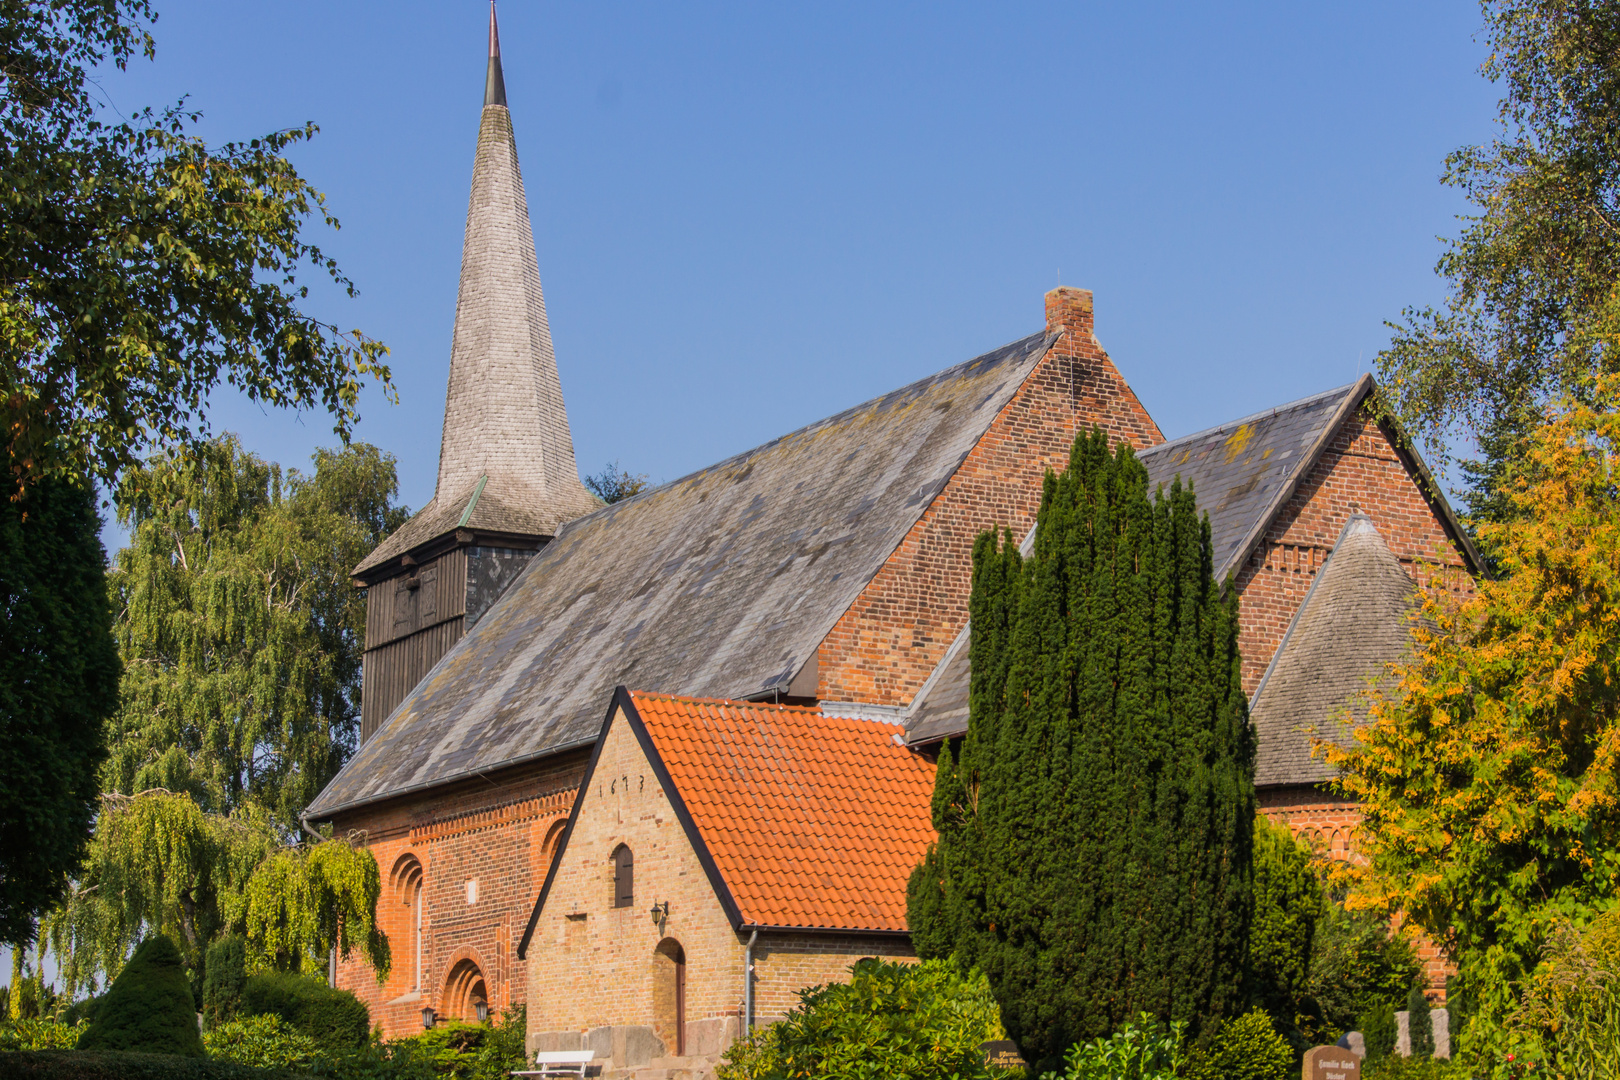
{"x": 504, "y": 417}
{"x": 494, "y": 83}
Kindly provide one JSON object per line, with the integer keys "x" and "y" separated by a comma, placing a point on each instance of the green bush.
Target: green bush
{"x": 148, "y": 1007}
{"x": 1142, "y": 1050}
{"x": 40, "y": 1035}
{"x": 1395, "y": 1067}
{"x": 1287, "y": 906}
{"x": 225, "y": 973}
{"x": 911, "y": 1021}
{"x": 1248, "y": 1048}
{"x": 1377, "y": 1027}
{"x": 83, "y": 1010}
{"x": 1419, "y": 1024}
{"x": 333, "y": 1018}
{"x": 114, "y": 1065}
{"x": 471, "y": 1051}
{"x": 264, "y": 1042}
{"x": 1356, "y": 966}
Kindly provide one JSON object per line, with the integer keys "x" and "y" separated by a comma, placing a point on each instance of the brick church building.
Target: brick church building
{"x": 649, "y": 768}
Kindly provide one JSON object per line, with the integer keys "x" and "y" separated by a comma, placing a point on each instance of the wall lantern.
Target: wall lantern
{"x": 481, "y": 1007}
{"x": 660, "y": 913}
{"x": 428, "y": 1016}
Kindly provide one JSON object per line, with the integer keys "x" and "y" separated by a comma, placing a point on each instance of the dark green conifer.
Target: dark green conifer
{"x": 1419, "y": 1024}
{"x": 149, "y": 1007}
{"x": 1095, "y": 823}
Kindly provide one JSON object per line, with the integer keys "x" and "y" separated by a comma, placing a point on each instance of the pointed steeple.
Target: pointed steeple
{"x": 494, "y": 83}
{"x": 506, "y": 458}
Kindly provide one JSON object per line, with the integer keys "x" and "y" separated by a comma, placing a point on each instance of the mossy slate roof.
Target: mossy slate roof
{"x": 721, "y": 584}
{"x": 1355, "y": 619}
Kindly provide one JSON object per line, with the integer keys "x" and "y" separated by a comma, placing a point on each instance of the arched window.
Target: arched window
{"x": 407, "y": 877}
{"x": 624, "y": 884}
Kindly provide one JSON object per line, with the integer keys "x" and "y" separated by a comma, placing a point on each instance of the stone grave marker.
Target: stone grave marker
{"x": 1332, "y": 1063}
{"x": 1002, "y": 1054}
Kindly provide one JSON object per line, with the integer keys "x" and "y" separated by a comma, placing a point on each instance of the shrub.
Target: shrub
{"x": 40, "y": 1035}
{"x": 333, "y": 1018}
{"x": 1248, "y": 1048}
{"x": 912, "y": 1021}
{"x": 83, "y": 1010}
{"x": 1142, "y": 1050}
{"x": 115, "y": 1065}
{"x": 264, "y": 1042}
{"x": 470, "y": 1051}
{"x": 1395, "y": 1067}
{"x": 1378, "y": 1030}
{"x": 1571, "y": 1007}
{"x": 225, "y": 973}
{"x": 1357, "y": 965}
{"x": 1419, "y": 1024}
{"x": 148, "y": 1007}
{"x": 1287, "y": 907}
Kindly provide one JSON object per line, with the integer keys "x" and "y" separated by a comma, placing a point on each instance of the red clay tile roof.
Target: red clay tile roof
{"x": 812, "y": 820}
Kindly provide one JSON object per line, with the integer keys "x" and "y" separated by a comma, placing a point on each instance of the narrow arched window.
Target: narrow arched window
{"x": 624, "y": 886}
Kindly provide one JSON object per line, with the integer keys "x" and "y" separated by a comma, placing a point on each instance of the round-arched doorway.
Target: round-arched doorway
{"x": 464, "y": 991}
{"x": 669, "y": 995}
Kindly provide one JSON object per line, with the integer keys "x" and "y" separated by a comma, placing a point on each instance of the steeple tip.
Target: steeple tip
{"x": 494, "y": 82}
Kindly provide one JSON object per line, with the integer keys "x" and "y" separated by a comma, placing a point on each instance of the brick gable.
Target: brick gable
{"x": 884, "y": 647}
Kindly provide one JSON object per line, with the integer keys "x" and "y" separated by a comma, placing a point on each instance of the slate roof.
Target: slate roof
{"x": 811, "y": 820}
{"x": 721, "y": 584}
{"x": 1355, "y": 619}
{"x": 1243, "y": 473}
{"x": 506, "y": 456}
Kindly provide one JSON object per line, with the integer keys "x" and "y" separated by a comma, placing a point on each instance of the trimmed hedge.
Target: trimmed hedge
{"x": 149, "y": 1006}
{"x": 333, "y": 1018}
{"x": 113, "y": 1065}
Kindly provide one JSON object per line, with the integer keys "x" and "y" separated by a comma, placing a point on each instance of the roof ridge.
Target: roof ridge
{"x": 1263, "y": 414}
{"x": 743, "y": 455}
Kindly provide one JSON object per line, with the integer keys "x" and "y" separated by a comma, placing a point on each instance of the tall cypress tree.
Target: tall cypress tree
{"x": 1095, "y": 824}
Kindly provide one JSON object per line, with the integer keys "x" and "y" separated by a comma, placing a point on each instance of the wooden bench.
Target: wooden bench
{"x": 555, "y": 1063}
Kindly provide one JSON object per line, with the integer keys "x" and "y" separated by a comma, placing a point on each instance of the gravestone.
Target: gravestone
{"x": 1331, "y": 1063}
{"x": 1002, "y": 1054}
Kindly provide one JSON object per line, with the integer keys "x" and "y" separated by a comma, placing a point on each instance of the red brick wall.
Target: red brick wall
{"x": 784, "y": 964}
{"x": 494, "y": 832}
{"x": 1358, "y": 471}
{"x": 891, "y": 638}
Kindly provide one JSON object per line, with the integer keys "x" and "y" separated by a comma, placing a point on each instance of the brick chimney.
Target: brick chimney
{"x": 1099, "y": 393}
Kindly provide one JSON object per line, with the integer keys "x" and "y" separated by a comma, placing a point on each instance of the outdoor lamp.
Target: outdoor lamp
{"x": 428, "y": 1016}
{"x": 660, "y": 912}
{"x": 482, "y": 1008}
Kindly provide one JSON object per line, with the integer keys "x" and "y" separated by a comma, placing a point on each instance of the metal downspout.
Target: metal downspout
{"x": 748, "y": 984}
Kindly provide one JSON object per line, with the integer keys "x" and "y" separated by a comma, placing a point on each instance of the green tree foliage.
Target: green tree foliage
{"x": 263, "y": 1042}
{"x": 1288, "y": 903}
{"x": 333, "y": 1018}
{"x": 1378, "y": 1031}
{"x": 1570, "y": 1012}
{"x": 141, "y": 268}
{"x": 241, "y": 633}
{"x": 1419, "y": 1024}
{"x": 1489, "y": 769}
{"x": 1140, "y": 1050}
{"x": 615, "y": 482}
{"x": 224, "y": 973}
{"x": 1248, "y": 1048}
{"x": 902, "y": 1021}
{"x": 1096, "y": 823}
{"x": 58, "y": 684}
{"x": 1357, "y": 965}
{"x": 1535, "y": 264}
{"x": 159, "y": 863}
{"x": 148, "y": 1007}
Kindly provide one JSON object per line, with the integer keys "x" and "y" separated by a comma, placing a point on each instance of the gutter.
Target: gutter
{"x": 748, "y": 984}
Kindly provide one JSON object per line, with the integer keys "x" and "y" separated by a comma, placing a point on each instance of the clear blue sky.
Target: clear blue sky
{"x": 750, "y": 216}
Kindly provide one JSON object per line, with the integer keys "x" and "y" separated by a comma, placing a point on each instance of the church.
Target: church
{"x": 650, "y": 768}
